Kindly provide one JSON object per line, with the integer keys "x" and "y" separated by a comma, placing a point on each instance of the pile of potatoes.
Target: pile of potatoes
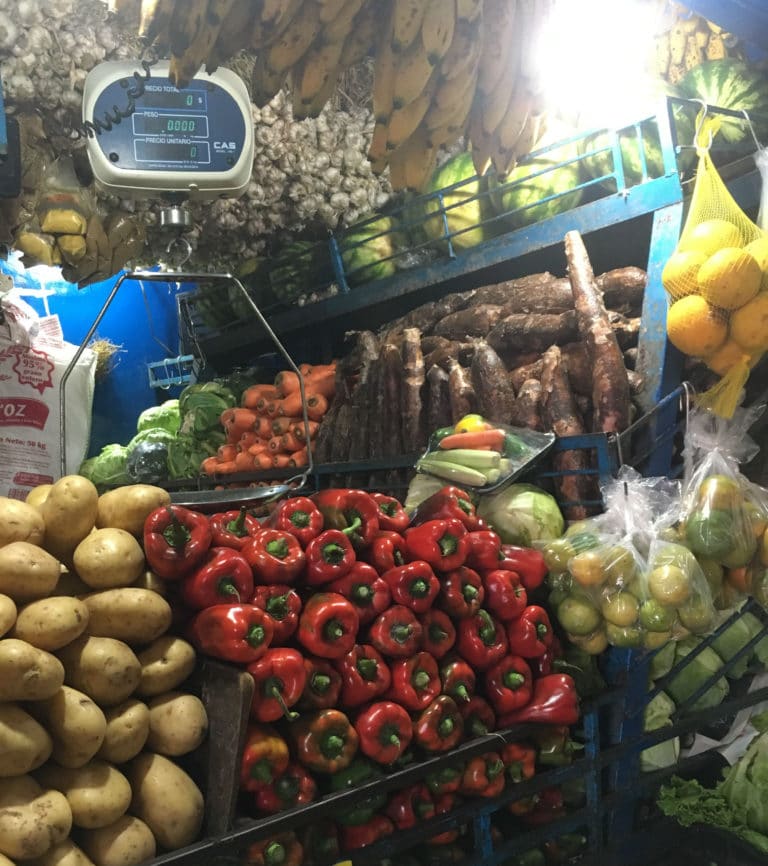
{"x": 91, "y": 715}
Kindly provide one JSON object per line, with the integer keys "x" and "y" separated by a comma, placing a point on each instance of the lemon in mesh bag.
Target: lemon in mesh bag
{"x": 717, "y": 283}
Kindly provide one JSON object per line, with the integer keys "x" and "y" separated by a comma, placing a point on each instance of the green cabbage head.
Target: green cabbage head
{"x": 522, "y": 514}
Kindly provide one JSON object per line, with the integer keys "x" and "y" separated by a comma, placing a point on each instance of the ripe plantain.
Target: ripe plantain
{"x": 234, "y": 35}
{"x": 155, "y": 18}
{"x": 498, "y": 32}
{"x": 413, "y": 70}
{"x": 404, "y": 121}
{"x": 183, "y": 69}
{"x": 187, "y": 20}
{"x": 411, "y": 166}
{"x": 437, "y": 28}
{"x": 295, "y": 40}
{"x": 314, "y": 78}
{"x": 362, "y": 37}
{"x": 383, "y": 82}
{"x": 340, "y": 27}
{"x": 468, "y": 10}
{"x": 407, "y": 16}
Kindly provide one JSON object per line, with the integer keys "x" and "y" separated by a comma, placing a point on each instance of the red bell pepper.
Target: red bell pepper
{"x": 175, "y": 541}
{"x": 449, "y": 503}
{"x": 392, "y": 516}
{"x": 328, "y": 625}
{"x": 481, "y": 640}
{"x": 409, "y": 807}
{"x": 527, "y": 562}
{"x": 549, "y": 807}
{"x": 283, "y": 604}
{"x": 413, "y": 585}
{"x": 387, "y": 550}
{"x": 396, "y": 632}
{"x": 440, "y": 726}
{"x": 324, "y": 741}
{"x": 446, "y": 780}
{"x": 300, "y": 517}
{"x": 483, "y": 776}
{"x": 519, "y": 761}
{"x": 323, "y": 685}
{"x": 368, "y": 592}
{"x": 362, "y": 835}
{"x": 445, "y": 803}
{"x": 554, "y": 702}
{"x": 461, "y": 593}
{"x": 364, "y": 675}
{"x": 233, "y": 528}
{"x": 352, "y": 512}
{"x": 265, "y": 757}
{"x": 484, "y": 550}
{"x": 546, "y": 663}
{"x": 441, "y": 543}
{"x": 508, "y": 684}
{"x": 458, "y": 680}
{"x": 438, "y": 633}
{"x": 530, "y": 634}
{"x": 479, "y": 717}
{"x": 385, "y": 731}
{"x": 223, "y": 577}
{"x": 275, "y": 557}
{"x": 554, "y": 746}
{"x": 294, "y": 787}
{"x": 329, "y": 556}
{"x": 505, "y": 596}
{"x": 282, "y": 850}
{"x": 232, "y": 632}
{"x": 415, "y": 681}
{"x": 279, "y": 678}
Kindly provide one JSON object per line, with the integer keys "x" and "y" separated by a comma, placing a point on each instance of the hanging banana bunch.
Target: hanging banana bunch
{"x": 443, "y": 69}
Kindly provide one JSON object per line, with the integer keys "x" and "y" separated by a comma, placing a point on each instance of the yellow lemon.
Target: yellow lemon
{"x": 680, "y": 272}
{"x": 749, "y": 324}
{"x": 759, "y": 250}
{"x": 471, "y": 424}
{"x": 694, "y": 327}
{"x": 725, "y": 357}
{"x": 729, "y": 278}
{"x": 710, "y": 236}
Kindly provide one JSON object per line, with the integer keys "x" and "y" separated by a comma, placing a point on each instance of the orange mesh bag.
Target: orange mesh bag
{"x": 717, "y": 283}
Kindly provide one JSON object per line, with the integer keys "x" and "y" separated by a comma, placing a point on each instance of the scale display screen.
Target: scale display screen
{"x": 199, "y": 139}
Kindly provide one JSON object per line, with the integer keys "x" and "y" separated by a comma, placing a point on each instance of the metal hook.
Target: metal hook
{"x": 751, "y": 128}
{"x": 187, "y": 247}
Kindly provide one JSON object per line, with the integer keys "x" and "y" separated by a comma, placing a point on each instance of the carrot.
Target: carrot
{"x": 290, "y": 442}
{"x": 263, "y": 460}
{"x": 247, "y": 439}
{"x": 300, "y": 433}
{"x": 210, "y": 465}
{"x": 479, "y": 439}
{"x": 290, "y": 406}
{"x": 227, "y": 417}
{"x": 281, "y": 461}
{"x": 273, "y": 409}
{"x": 276, "y": 445}
{"x": 226, "y": 467}
{"x": 263, "y": 427}
{"x": 244, "y": 418}
{"x": 283, "y": 424}
{"x": 263, "y": 402}
{"x": 317, "y": 406}
{"x": 257, "y": 448}
{"x": 244, "y": 461}
{"x": 252, "y": 396}
{"x": 306, "y": 369}
{"x": 286, "y": 383}
{"x": 227, "y": 452}
{"x": 300, "y": 458}
{"x": 322, "y": 383}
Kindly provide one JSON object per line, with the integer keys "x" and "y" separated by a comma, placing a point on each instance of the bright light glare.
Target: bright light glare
{"x": 593, "y": 58}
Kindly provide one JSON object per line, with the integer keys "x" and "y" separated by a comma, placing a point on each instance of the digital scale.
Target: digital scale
{"x": 195, "y": 143}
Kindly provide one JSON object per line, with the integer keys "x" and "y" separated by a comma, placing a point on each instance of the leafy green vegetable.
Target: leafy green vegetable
{"x": 154, "y": 434}
{"x": 658, "y": 715}
{"x": 746, "y": 785}
{"x": 108, "y": 467}
{"x": 694, "y": 674}
{"x": 186, "y": 453}
{"x": 662, "y": 661}
{"x": 522, "y": 514}
{"x": 165, "y": 417}
{"x": 730, "y": 641}
{"x": 201, "y": 406}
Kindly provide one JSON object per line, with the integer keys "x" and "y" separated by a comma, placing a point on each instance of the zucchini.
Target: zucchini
{"x": 452, "y": 472}
{"x": 480, "y": 460}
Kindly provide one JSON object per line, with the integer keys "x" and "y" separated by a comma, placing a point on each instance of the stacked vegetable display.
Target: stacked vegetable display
{"x": 372, "y": 638}
{"x": 93, "y": 712}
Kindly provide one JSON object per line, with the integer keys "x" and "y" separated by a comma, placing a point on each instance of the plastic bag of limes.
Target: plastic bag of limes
{"x": 717, "y": 283}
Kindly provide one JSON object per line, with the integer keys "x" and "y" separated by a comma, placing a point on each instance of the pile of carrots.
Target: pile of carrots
{"x": 267, "y": 431}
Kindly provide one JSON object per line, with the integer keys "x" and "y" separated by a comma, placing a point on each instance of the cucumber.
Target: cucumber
{"x": 452, "y": 472}
{"x": 480, "y": 460}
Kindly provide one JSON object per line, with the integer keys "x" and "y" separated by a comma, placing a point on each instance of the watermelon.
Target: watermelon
{"x": 463, "y": 216}
{"x": 298, "y": 268}
{"x": 732, "y": 84}
{"x": 534, "y": 181}
{"x": 601, "y": 163}
{"x": 366, "y": 253}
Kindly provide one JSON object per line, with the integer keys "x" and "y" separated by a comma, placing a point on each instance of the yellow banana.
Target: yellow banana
{"x": 340, "y": 27}
{"x": 383, "y": 81}
{"x": 411, "y": 166}
{"x": 517, "y": 116}
{"x": 404, "y": 121}
{"x": 493, "y": 106}
{"x": 234, "y": 35}
{"x": 295, "y": 40}
{"x": 377, "y": 152}
{"x": 275, "y": 17}
{"x": 155, "y": 17}
{"x": 413, "y": 70}
{"x": 499, "y": 19}
{"x": 329, "y": 9}
{"x": 530, "y": 136}
{"x": 187, "y": 20}
{"x": 480, "y": 143}
{"x": 437, "y": 28}
{"x": 407, "y": 16}
{"x": 183, "y": 69}
{"x": 468, "y": 10}
{"x": 314, "y": 79}
{"x": 265, "y": 82}
{"x": 362, "y": 36}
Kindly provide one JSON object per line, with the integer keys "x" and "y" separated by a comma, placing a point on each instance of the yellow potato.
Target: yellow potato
{"x": 28, "y": 673}
{"x": 66, "y": 853}
{"x": 76, "y": 725}
{"x": 127, "y": 842}
{"x": 165, "y": 664}
{"x": 51, "y": 623}
{"x": 20, "y": 521}
{"x": 7, "y": 615}
{"x": 105, "y": 669}
{"x": 167, "y": 799}
{"x": 6, "y": 861}
{"x": 69, "y": 511}
{"x": 178, "y": 724}
{"x": 27, "y": 572}
{"x": 127, "y": 731}
{"x": 38, "y": 495}
{"x": 97, "y": 793}
{"x": 24, "y": 744}
{"x": 136, "y": 616}
{"x": 109, "y": 558}
{"x": 128, "y": 507}
{"x": 31, "y": 820}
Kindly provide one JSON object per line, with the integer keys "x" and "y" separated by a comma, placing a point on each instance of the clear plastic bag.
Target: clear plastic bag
{"x": 64, "y": 205}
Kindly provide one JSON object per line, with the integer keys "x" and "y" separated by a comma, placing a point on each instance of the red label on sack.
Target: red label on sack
{"x": 32, "y": 479}
{"x": 23, "y": 412}
{"x": 31, "y": 367}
